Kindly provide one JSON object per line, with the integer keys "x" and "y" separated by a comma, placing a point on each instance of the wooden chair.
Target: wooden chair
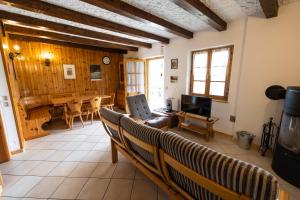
{"x": 111, "y": 102}
{"x": 73, "y": 110}
{"x": 94, "y": 108}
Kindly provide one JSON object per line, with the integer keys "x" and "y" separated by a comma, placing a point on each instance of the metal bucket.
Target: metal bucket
{"x": 244, "y": 139}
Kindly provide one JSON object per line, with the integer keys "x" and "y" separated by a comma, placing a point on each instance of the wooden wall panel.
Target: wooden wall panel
{"x": 34, "y": 76}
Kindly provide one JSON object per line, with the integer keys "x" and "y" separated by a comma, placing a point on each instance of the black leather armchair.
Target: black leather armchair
{"x": 138, "y": 108}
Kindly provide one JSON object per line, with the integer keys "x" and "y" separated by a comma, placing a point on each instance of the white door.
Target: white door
{"x": 156, "y": 83}
{"x": 6, "y": 112}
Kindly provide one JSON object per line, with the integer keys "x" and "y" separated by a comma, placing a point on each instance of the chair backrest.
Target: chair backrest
{"x": 143, "y": 142}
{"x": 95, "y": 103}
{"x": 111, "y": 123}
{"x": 138, "y": 106}
{"x": 112, "y": 98}
{"x": 75, "y": 105}
{"x": 187, "y": 165}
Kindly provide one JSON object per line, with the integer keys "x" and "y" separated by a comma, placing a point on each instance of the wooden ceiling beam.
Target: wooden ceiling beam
{"x": 57, "y": 42}
{"x": 135, "y": 13}
{"x": 71, "y": 15}
{"x": 68, "y": 38}
{"x": 196, "y": 7}
{"x": 69, "y": 29}
{"x": 269, "y": 7}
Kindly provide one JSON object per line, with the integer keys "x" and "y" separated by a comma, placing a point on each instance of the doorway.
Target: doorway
{"x": 156, "y": 83}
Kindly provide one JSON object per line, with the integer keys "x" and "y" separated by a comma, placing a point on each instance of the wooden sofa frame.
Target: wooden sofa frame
{"x": 161, "y": 177}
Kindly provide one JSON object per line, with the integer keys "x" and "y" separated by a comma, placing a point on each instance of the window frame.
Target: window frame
{"x": 208, "y": 73}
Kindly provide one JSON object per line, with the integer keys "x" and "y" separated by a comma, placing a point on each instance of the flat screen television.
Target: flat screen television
{"x": 196, "y": 105}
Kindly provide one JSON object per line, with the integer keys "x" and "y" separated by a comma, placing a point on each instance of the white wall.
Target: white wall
{"x": 7, "y": 112}
{"x": 182, "y": 48}
{"x": 266, "y": 52}
{"x": 272, "y": 56}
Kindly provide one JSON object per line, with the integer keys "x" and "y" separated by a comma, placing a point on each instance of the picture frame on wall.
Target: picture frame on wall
{"x": 174, "y": 63}
{"x": 69, "y": 71}
{"x": 95, "y": 72}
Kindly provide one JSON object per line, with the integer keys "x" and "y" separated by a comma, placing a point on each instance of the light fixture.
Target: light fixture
{"x": 13, "y": 55}
{"x": 47, "y": 58}
{"x": 5, "y": 46}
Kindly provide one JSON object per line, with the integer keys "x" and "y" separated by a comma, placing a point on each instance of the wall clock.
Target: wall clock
{"x": 106, "y": 60}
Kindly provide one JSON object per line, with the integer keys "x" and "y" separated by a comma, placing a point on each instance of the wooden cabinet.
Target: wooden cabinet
{"x": 198, "y": 124}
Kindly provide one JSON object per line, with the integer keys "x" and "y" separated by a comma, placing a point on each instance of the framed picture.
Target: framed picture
{"x": 95, "y": 72}
{"x": 69, "y": 71}
{"x": 173, "y": 79}
{"x": 174, "y": 63}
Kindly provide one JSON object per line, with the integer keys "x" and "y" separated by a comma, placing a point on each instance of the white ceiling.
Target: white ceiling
{"x": 229, "y": 10}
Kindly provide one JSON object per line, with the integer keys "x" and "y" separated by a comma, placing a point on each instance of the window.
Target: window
{"x": 210, "y": 73}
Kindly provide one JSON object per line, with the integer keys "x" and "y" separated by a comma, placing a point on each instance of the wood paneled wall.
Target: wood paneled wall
{"x": 34, "y": 76}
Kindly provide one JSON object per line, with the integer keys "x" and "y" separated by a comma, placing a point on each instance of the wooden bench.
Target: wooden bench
{"x": 34, "y": 113}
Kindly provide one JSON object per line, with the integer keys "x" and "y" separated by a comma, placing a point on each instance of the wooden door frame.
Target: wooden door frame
{"x": 5, "y": 154}
{"x": 147, "y": 67}
{"x": 125, "y": 61}
{"x": 3, "y": 36}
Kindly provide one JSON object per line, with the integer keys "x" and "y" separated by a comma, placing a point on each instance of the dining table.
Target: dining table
{"x": 60, "y": 101}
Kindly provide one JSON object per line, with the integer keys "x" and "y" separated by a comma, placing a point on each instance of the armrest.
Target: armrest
{"x": 283, "y": 195}
{"x": 157, "y": 114}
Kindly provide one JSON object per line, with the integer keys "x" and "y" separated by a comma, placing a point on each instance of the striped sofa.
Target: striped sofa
{"x": 184, "y": 169}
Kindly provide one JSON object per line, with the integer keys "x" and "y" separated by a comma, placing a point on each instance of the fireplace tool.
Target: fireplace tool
{"x": 269, "y": 130}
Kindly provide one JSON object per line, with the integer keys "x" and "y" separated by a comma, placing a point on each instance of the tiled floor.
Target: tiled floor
{"x": 76, "y": 164}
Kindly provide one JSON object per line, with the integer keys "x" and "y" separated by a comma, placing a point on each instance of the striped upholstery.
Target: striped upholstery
{"x": 145, "y": 133}
{"x": 236, "y": 175}
{"x": 113, "y": 117}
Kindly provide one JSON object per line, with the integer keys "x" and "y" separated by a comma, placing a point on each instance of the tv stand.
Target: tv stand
{"x": 201, "y": 125}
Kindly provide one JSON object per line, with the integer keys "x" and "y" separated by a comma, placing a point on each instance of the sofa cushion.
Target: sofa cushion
{"x": 157, "y": 122}
{"x": 145, "y": 133}
{"x": 138, "y": 106}
{"x": 236, "y": 175}
{"x": 113, "y": 117}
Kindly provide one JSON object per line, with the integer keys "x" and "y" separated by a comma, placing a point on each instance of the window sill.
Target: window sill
{"x": 220, "y": 101}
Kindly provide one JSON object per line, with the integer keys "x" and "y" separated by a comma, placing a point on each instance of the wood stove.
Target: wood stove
{"x": 286, "y": 160}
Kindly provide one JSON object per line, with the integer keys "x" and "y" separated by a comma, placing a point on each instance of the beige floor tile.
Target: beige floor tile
{"x": 43, "y": 169}
{"x": 140, "y": 176}
{"x": 83, "y": 170}
{"x": 23, "y": 169}
{"x": 124, "y": 170}
{"x": 42, "y": 155}
{"x": 105, "y": 157}
{"x": 86, "y": 146}
{"x": 119, "y": 189}
{"x": 59, "y": 156}
{"x": 162, "y": 195}
{"x": 4, "y": 167}
{"x": 104, "y": 170}
{"x": 25, "y": 155}
{"x": 9, "y": 181}
{"x": 70, "y": 146}
{"x": 144, "y": 189}
{"x": 63, "y": 169}
{"x": 76, "y": 156}
{"x": 46, "y": 187}
{"x": 22, "y": 187}
{"x": 93, "y": 156}
{"x": 94, "y": 189}
{"x": 69, "y": 189}
{"x": 102, "y": 146}
{"x": 122, "y": 159}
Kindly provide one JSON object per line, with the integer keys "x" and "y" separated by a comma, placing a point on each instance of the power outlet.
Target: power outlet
{"x": 232, "y": 118}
